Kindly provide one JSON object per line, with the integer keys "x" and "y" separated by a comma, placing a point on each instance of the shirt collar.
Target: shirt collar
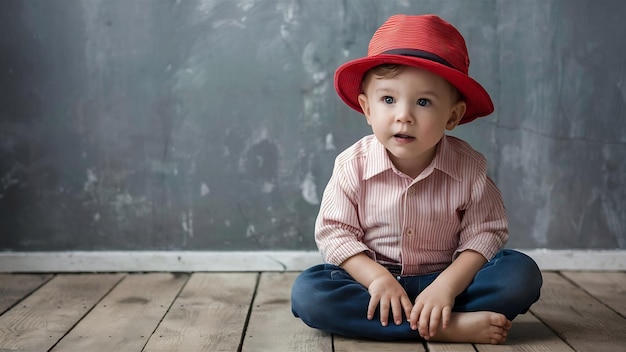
{"x": 378, "y": 161}
{"x": 446, "y": 159}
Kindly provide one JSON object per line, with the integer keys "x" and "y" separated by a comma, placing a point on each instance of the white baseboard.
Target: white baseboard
{"x": 222, "y": 261}
{"x": 163, "y": 261}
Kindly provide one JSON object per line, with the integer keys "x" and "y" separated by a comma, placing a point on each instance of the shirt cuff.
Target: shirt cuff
{"x": 486, "y": 244}
{"x": 346, "y": 250}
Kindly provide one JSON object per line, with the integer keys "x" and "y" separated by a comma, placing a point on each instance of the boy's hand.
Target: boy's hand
{"x": 385, "y": 291}
{"x": 432, "y": 309}
{"x": 389, "y": 294}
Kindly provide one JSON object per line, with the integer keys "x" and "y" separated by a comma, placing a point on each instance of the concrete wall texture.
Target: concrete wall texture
{"x": 213, "y": 124}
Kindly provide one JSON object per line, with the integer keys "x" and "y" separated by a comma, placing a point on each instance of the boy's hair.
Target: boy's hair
{"x": 392, "y": 70}
{"x": 383, "y": 71}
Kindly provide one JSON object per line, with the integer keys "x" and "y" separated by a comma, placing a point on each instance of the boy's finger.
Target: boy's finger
{"x": 384, "y": 311}
{"x": 407, "y": 306}
{"x": 435, "y": 318}
{"x": 396, "y": 311}
{"x": 423, "y": 323}
{"x": 415, "y": 315}
{"x": 445, "y": 317}
{"x": 371, "y": 307}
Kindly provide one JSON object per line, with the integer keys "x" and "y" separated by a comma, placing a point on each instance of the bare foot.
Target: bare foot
{"x": 475, "y": 327}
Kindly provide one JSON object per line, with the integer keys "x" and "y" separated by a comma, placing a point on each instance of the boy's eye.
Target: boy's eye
{"x": 423, "y": 102}
{"x": 388, "y": 100}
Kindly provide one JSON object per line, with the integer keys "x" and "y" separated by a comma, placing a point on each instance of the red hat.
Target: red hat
{"x": 427, "y": 42}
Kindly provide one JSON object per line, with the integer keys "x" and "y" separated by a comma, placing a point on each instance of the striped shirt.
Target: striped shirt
{"x": 423, "y": 223}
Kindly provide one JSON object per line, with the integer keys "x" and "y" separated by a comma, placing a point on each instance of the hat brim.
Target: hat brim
{"x": 348, "y": 79}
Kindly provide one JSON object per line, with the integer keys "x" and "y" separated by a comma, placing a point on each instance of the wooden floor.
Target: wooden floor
{"x": 578, "y": 311}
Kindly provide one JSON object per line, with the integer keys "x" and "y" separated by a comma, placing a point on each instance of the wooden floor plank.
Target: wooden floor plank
{"x": 450, "y": 347}
{"x": 125, "y": 318}
{"x": 345, "y": 344}
{"x": 272, "y": 326}
{"x": 579, "y": 319}
{"x": 528, "y": 334}
{"x": 608, "y": 287}
{"x": 40, "y": 320}
{"x": 208, "y": 315}
{"x": 14, "y": 287}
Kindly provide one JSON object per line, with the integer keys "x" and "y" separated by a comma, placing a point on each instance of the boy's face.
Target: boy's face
{"x": 409, "y": 114}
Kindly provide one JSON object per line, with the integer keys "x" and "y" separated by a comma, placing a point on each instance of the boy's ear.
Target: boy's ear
{"x": 456, "y": 114}
{"x": 365, "y": 107}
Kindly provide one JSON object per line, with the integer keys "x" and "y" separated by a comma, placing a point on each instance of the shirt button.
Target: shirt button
{"x": 411, "y": 191}
{"x": 410, "y": 232}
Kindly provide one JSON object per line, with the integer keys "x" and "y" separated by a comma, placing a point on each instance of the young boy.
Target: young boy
{"x": 410, "y": 226}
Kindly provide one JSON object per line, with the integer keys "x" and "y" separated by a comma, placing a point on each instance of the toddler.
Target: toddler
{"x": 410, "y": 226}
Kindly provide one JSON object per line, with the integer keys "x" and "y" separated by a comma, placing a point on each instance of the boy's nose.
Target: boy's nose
{"x": 403, "y": 115}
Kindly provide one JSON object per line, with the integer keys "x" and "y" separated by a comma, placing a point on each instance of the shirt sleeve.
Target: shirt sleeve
{"x": 337, "y": 231}
{"x": 484, "y": 226}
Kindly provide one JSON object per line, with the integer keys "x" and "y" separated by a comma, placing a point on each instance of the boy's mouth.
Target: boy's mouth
{"x": 403, "y": 137}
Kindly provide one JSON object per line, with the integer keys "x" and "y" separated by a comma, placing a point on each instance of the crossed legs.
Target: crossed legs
{"x": 326, "y": 297}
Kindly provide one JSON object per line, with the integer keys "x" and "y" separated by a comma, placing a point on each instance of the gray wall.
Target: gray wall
{"x": 213, "y": 125}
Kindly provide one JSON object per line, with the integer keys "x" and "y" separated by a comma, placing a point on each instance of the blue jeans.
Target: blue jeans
{"x": 326, "y": 297}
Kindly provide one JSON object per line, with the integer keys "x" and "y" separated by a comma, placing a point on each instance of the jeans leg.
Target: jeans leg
{"x": 326, "y": 297}
{"x": 508, "y": 284}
